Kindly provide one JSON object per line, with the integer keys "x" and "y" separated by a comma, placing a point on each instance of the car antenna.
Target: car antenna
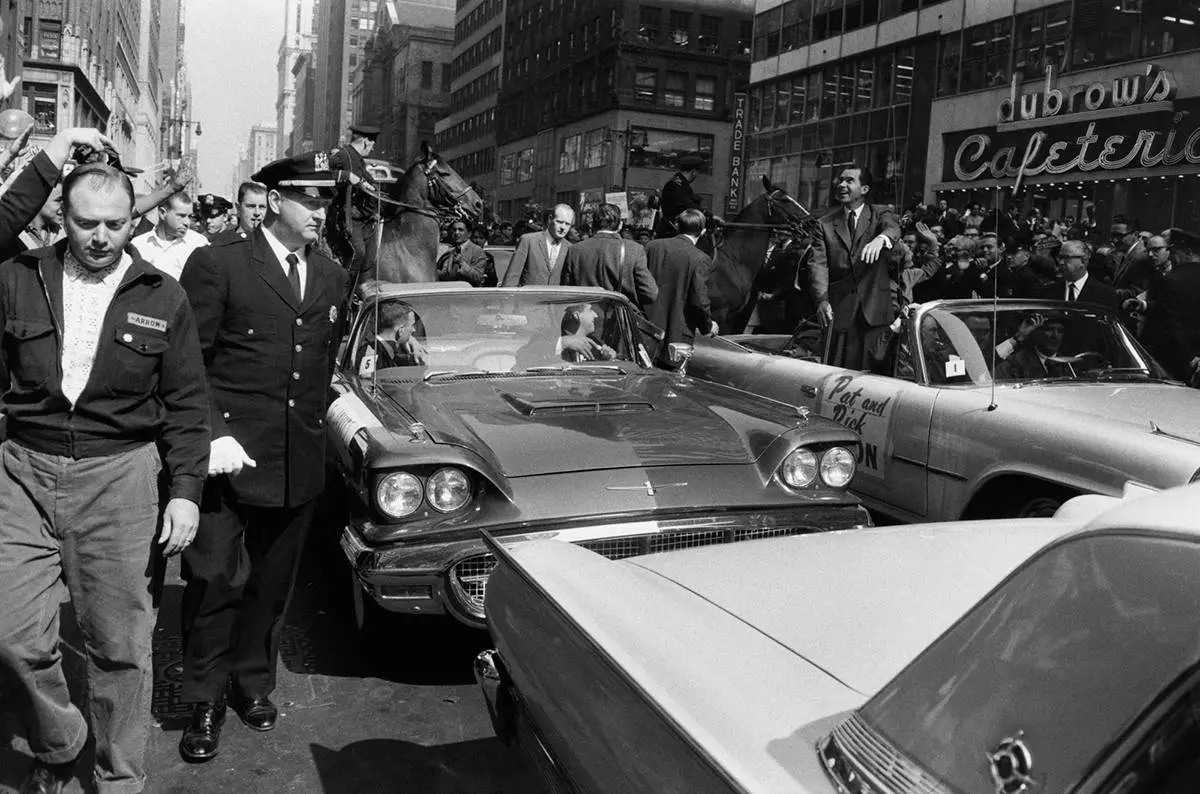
{"x": 375, "y": 347}
{"x": 996, "y": 299}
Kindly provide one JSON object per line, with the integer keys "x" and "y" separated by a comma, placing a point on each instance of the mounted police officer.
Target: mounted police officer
{"x": 353, "y": 213}
{"x": 267, "y": 312}
{"x": 678, "y": 195}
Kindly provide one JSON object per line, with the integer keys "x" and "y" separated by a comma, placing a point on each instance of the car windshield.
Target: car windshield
{"x": 1064, "y": 655}
{"x": 497, "y": 331}
{"x": 969, "y": 346}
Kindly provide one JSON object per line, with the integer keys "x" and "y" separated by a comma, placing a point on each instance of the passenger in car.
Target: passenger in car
{"x": 398, "y": 341}
{"x": 575, "y": 342}
{"x": 1035, "y": 360}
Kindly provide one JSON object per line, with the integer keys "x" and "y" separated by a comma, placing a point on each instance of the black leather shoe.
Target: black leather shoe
{"x": 258, "y": 712}
{"x": 201, "y": 739}
{"x": 47, "y": 778}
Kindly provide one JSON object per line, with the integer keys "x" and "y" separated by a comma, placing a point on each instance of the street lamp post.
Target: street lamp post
{"x": 170, "y": 123}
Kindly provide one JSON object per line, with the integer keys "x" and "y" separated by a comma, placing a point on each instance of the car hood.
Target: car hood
{"x": 563, "y": 423}
{"x": 862, "y": 604}
{"x": 1143, "y": 406}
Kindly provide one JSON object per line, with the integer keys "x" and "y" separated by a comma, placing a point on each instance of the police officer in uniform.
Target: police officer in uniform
{"x": 213, "y": 211}
{"x": 251, "y": 207}
{"x": 267, "y": 312}
{"x": 353, "y": 212}
{"x": 677, "y": 195}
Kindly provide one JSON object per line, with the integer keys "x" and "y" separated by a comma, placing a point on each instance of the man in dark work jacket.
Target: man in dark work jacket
{"x": 267, "y": 312}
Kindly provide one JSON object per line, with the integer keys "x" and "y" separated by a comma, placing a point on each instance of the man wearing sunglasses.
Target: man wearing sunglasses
{"x": 267, "y": 310}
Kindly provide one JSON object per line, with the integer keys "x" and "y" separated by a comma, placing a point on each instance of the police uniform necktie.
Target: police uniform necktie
{"x": 294, "y": 273}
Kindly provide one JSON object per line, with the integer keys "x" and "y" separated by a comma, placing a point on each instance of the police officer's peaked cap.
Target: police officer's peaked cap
{"x": 212, "y": 205}
{"x": 307, "y": 173}
{"x": 365, "y": 130}
{"x": 1183, "y": 237}
{"x": 691, "y": 161}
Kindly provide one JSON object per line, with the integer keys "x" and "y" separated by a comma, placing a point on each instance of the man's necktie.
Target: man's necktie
{"x": 1071, "y": 292}
{"x": 294, "y": 273}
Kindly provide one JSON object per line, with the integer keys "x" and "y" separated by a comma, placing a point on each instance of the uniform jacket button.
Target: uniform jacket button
{"x": 226, "y": 414}
{"x": 127, "y": 338}
{"x": 250, "y": 331}
{"x": 291, "y": 403}
{"x": 299, "y": 321}
{"x": 299, "y": 348}
{"x": 295, "y": 376}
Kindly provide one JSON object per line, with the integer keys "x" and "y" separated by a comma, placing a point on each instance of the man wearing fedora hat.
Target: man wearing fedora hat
{"x": 353, "y": 218}
{"x": 267, "y": 310}
{"x": 678, "y": 195}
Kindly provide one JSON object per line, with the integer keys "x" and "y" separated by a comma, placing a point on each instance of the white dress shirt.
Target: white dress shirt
{"x": 169, "y": 256}
{"x": 281, "y": 254}
{"x": 552, "y": 248}
{"x": 86, "y": 296}
{"x": 1078, "y": 287}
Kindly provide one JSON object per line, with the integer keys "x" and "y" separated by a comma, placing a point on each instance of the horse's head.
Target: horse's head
{"x": 774, "y": 207}
{"x": 447, "y": 190}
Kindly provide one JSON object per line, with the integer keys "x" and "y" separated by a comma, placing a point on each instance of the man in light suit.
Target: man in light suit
{"x": 540, "y": 255}
{"x": 849, "y": 271}
{"x": 681, "y": 271}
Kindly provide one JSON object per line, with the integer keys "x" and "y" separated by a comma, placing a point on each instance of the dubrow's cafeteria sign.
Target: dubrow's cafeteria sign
{"x": 1105, "y": 145}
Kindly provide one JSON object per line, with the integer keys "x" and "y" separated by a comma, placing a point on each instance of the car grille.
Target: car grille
{"x": 470, "y": 575}
{"x": 860, "y": 761}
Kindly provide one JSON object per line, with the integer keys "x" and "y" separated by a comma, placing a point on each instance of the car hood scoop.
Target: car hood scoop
{"x": 576, "y": 422}
{"x": 529, "y": 405}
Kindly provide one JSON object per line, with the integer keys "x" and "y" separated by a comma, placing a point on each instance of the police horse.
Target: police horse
{"x": 403, "y": 247}
{"x": 738, "y": 250}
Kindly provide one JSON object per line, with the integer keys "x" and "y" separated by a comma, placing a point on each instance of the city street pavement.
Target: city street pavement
{"x": 413, "y": 723}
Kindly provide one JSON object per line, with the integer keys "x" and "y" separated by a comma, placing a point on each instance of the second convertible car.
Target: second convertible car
{"x": 535, "y": 413}
{"x": 988, "y": 411}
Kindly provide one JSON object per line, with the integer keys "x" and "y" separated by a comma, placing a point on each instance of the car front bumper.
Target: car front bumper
{"x": 450, "y": 577}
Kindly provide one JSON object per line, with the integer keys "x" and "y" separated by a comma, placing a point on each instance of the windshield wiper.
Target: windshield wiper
{"x": 441, "y": 374}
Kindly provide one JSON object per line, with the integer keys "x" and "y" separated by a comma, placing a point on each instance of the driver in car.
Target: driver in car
{"x": 1036, "y": 360}
{"x": 397, "y": 341}
{"x": 576, "y": 341}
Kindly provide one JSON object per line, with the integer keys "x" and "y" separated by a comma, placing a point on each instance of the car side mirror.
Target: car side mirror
{"x": 679, "y": 354}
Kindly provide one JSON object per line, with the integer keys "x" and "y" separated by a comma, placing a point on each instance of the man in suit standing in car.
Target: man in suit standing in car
{"x": 267, "y": 312}
{"x": 539, "y": 256}
{"x": 681, "y": 271}
{"x": 849, "y": 271}
{"x": 1077, "y": 284}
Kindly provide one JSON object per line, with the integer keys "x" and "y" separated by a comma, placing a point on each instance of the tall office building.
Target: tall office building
{"x": 940, "y": 99}
{"x": 601, "y": 96}
{"x": 178, "y": 127}
{"x": 467, "y": 136}
{"x": 261, "y": 147}
{"x": 82, "y": 66}
{"x": 298, "y": 19}
{"x": 404, "y": 87}
{"x": 342, "y": 30}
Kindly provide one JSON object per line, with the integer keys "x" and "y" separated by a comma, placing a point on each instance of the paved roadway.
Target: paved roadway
{"x": 413, "y": 723}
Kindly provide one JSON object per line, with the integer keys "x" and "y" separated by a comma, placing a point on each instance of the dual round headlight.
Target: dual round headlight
{"x": 835, "y": 466}
{"x": 400, "y": 494}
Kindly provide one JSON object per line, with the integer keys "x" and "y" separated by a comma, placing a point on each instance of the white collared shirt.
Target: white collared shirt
{"x": 86, "y": 297}
{"x": 552, "y": 248}
{"x": 281, "y": 254}
{"x": 696, "y": 241}
{"x": 169, "y": 256}
{"x": 1078, "y": 287}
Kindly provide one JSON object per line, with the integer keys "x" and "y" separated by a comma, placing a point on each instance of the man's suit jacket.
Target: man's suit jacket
{"x": 531, "y": 264}
{"x": 1094, "y": 291}
{"x": 838, "y": 273}
{"x": 269, "y": 359}
{"x": 1025, "y": 364}
{"x": 1178, "y": 340}
{"x": 681, "y": 271}
{"x": 597, "y": 262}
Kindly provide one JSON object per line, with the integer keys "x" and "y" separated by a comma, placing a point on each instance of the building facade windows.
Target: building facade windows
{"x": 706, "y": 94}
{"x": 568, "y": 154}
{"x": 645, "y": 85}
{"x": 675, "y": 90}
{"x": 654, "y": 148}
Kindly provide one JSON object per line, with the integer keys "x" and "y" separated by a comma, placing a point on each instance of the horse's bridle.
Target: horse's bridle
{"x": 440, "y": 195}
{"x": 770, "y": 196}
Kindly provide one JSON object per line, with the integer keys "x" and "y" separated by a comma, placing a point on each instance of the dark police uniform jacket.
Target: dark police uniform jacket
{"x": 348, "y": 159}
{"x": 269, "y": 361}
{"x": 677, "y": 196}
